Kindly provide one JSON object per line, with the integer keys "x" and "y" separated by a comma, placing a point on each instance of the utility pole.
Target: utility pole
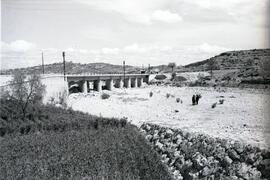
{"x": 64, "y": 63}
{"x": 42, "y": 63}
{"x": 124, "y": 68}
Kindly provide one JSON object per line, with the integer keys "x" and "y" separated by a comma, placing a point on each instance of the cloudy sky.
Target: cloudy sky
{"x": 141, "y": 32}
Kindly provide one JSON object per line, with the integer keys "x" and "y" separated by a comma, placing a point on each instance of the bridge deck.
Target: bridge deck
{"x": 104, "y": 76}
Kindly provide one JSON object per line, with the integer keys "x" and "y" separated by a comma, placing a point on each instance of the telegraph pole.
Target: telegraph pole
{"x": 42, "y": 63}
{"x": 64, "y": 65}
{"x": 124, "y": 68}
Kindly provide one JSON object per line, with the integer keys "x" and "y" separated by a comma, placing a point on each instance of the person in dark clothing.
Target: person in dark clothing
{"x": 198, "y": 96}
{"x": 193, "y": 99}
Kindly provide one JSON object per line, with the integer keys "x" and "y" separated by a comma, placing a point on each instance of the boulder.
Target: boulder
{"x": 247, "y": 172}
{"x": 266, "y": 154}
{"x": 227, "y": 161}
{"x": 233, "y": 155}
{"x": 264, "y": 168}
{"x": 239, "y": 147}
{"x": 199, "y": 161}
{"x": 206, "y": 171}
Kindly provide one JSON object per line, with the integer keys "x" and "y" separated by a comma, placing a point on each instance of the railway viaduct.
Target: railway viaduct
{"x": 86, "y": 83}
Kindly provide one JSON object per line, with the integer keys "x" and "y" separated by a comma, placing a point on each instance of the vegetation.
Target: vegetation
{"x": 178, "y": 100}
{"x": 172, "y": 65}
{"x": 48, "y": 142}
{"x": 264, "y": 68}
{"x": 27, "y": 92}
{"x": 66, "y": 144}
{"x": 105, "y": 96}
{"x": 212, "y": 65}
{"x": 214, "y": 105}
{"x": 151, "y": 94}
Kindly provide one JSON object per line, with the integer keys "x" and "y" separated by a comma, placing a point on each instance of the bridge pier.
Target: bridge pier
{"x": 127, "y": 83}
{"x": 85, "y": 87}
{"x": 97, "y": 85}
{"x": 109, "y": 84}
{"x": 134, "y": 82}
{"x": 146, "y": 80}
{"x": 140, "y": 82}
{"x": 119, "y": 83}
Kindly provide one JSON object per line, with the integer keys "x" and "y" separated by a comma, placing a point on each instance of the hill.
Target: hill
{"x": 233, "y": 60}
{"x": 76, "y": 68}
{"x": 245, "y": 68}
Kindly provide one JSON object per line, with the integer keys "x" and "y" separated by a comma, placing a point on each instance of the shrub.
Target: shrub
{"x": 221, "y": 101}
{"x": 105, "y": 96}
{"x": 178, "y": 100}
{"x": 27, "y": 93}
{"x": 160, "y": 77}
{"x": 168, "y": 95}
{"x": 151, "y": 94}
{"x": 63, "y": 98}
{"x": 214, "y": 105}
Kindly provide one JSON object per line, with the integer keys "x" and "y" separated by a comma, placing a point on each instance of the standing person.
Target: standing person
{"x": 193, "y": 99}
{"x": 198, "y": 96}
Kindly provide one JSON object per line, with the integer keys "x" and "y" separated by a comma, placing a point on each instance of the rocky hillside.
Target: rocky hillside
{"x": 77, "y": 68}
{"x": 247, "y": 68}
{"x": 233, "y": 60}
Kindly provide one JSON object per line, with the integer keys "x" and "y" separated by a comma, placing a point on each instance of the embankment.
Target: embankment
{"x": 197, "y": 156}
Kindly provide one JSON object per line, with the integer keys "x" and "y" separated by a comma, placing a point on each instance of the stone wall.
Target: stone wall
{"x": 197, "y": 156}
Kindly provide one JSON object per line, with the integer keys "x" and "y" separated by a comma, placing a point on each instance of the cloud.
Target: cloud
{"x": 166, "y": 16}
{"x": 145, "y": 48}
{"x": 134, "y": 54}
{"x": 139, "y": 11}
{"x": 134, "y": 48}
{"x": 203, "y": 11}
{"x": 207, "y": 48}
{"x": 110, "y": 50}
{"x": 234, "y": 11}
{"x": 17, "y": 46}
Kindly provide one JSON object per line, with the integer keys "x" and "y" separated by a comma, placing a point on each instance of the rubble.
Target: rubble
{"x": 197, "y": 156}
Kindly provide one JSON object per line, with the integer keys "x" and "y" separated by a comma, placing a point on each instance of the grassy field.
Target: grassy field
{"x": 64, "y": 144}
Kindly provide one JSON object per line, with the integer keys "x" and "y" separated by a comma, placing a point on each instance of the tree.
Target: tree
{"x": 211, "y": 66}
{"x": 264, "y": 68}
{"x": 26, "y": 91}
{"x": 172, "y": 65}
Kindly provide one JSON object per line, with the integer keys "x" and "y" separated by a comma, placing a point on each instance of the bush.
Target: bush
{"x": 221, "y": 101}
{"x": 178, "y": 100}
{"x": 59, "y": 98}
{"x": 105, "y": 96}
{"x": 160, "y": 77}
{"x": 26, "y": 93}
{"x": 168, "y": 95}
{"x": 151, "y": 94}
{"x": 214, "y": 105}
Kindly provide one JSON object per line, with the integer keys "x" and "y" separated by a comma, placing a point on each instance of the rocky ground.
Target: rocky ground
{"x": 196, "y": 156}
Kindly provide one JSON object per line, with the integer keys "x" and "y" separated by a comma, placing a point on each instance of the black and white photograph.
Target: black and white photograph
{"x": 135, "y": 90}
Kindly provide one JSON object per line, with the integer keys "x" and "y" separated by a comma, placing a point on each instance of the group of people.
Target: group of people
{"x": 195, "y": 99}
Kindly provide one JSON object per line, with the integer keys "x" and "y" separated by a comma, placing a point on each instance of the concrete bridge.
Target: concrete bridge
{"x": 86, "y": 83}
